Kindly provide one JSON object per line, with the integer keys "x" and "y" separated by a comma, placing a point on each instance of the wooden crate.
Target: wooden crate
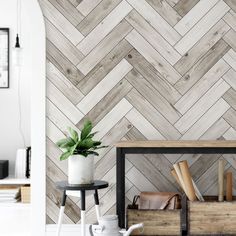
{"x": 25, "y": 194}
{"x": 156, "y": 222}
{"x": 212, "y": 217}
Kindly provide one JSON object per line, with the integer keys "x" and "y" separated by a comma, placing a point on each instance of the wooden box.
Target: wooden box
{"x": 202, "y": 218}
{"x": 25, "y": 194}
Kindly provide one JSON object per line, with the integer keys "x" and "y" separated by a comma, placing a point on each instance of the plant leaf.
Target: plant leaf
{"x": 86, "y": 130}
{"x": 92, "y": 135}
{"x": 74, "y": 134}
{"x": 65, "y": 156}
{"x": 64, "y": 143}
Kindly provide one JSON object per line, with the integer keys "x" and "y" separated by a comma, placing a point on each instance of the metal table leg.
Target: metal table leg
{"x": 83, "y": 229}
{"x": 97, "y": 208}
{"x": 61, "y": 213}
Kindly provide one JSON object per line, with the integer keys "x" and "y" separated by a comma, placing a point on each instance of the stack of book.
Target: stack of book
{"x": 183, "y": 177}
{"x": 9, "y": 194}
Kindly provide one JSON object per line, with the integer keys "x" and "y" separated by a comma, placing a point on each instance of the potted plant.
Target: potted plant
{"x": 80, "y": 151}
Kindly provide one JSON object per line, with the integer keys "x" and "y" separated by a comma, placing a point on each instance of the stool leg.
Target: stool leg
{"x": 61, "y": 213}
{"x": 97, "y": 208}
{"x": 83, "y": 230}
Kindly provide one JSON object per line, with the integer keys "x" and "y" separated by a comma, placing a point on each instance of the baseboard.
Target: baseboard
{"x": 66, "y": 230}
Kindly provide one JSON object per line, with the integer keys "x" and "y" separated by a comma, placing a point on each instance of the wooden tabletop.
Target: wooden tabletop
{"x": 178, "y": 143}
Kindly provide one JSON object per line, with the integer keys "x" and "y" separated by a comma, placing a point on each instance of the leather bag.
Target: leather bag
{"x": 159, "y": 200}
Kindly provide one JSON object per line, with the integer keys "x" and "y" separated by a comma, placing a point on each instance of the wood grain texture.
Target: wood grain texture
{"x": 140, "y": 70}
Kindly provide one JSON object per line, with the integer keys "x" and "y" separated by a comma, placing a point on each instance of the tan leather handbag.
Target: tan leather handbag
{"x": 159, "y": 200}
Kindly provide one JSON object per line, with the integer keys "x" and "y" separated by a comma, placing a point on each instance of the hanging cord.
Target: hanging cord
{"x": 18, "y": 24}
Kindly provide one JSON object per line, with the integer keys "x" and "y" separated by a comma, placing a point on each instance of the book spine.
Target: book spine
{"x": 190, "y": 192}
{"x": 221, "y": 180}
{"x": 180, "y": 177}
{"x": 229, "y": 186}
{"x": 174, "y": 174}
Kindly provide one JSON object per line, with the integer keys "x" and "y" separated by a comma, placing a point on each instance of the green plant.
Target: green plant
{"x": 85, "y": 145}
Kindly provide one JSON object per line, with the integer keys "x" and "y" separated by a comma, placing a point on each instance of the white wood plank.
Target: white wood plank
{"x": 104, "y": 27}
{"x": 198, "y": 90}
{"x": 153, "y": 37}
{"x": 142, "y": 124}
{"x": 104, "y": 47}
{"x": 152, "y": 56}
{"x": 97, "y": 93}
{"x": 202, "y": 27}
{"x": 207, "y": 120}
{"x": 194, "y": 15}
{"x": 86, "y": 6}
{"x": 230, "y": 58}
{"x": 152, "y": 17}
{"x": 64, "y": 25}
{"x": 63, "y": 103}
{"x": 229, "y": 77}
{"x": 196, "y": 111}
{"x": 230, "y": 134}
{"x": 112, "y": 118}
{"x": 230, "y": 19}
{"x": 53, "y": 133}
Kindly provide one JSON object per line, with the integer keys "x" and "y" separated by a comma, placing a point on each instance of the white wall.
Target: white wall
{"x": 10, "y": 139}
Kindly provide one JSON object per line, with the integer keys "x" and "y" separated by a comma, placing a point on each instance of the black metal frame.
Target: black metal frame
{"x": 120, "y": 166}
{"x": 8, "y": 56}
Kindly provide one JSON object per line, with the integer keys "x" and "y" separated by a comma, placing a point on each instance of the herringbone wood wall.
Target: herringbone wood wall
{"x": 139, "y": 69}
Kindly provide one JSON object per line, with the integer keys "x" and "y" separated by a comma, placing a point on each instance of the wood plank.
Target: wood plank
{"x": 86, "y": 6}
{"x": 97, "y": 15}
{"x": 107, "y": 103}
{"x": 63, "y": 103}
{"x": 230, "y": 97}
{"x": 63, "y": 25}
{"x": 53, "y": 132}
{"x": 202, "y": 47}
{"x": 68, "y": 10}
{"x": 104, "y": 28}
{"x": 202, "y": 27}
{"x": 201, "y": 106}
{"x": 96, "y": 94}
{"x": 104, "y": 66}
{"x": 63, "y": 64}
{"x": 153, "y": 57}
{"x": 152, "y": 115}
{"x": 63, "y": 84}
{"x": 193, "y": 16}
{"x": 172, "y": 2}
{"x": 230, "y": 134}
{"x": 202, "y": 66}
{"x": 230, "y": 117}
{"x": 207, "y": 120}
{"x": 107, "y": 44}
{"x": 229, "y": 77}
{"x": 143, "y": 125}
{"x": 230, "y": 19}
{"x": 201, "y": 87}
{"x": 148, "y": 71}
{"x": 230, "y": 58}
{"x": 229, "y": 38}
{"x": 63, "y": 44}
{"x": 178, "y": 143}
{"x": 232, "y": 4}
{"x": 150, "y": 93}
{"x": 155, "y": 20}
{"x": 153, "y": 37}
{"x": 165, "y": 10}
{"x": 184, "y": 6}
{"x": 112, "y": 118}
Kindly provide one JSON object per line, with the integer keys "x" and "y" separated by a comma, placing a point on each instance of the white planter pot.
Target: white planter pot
{"x": 81, "y": 169}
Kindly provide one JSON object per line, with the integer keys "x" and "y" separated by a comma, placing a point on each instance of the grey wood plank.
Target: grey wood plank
{"x": 75, "y": 2}
{"x": 63, "y": 64}
{"x": 148, "y": 71}
{"x": 230, "y": 39}
{"x": 202, "y": 66}
{"x": 96, "y": 16}
{"x": 152, "y": 95}
{"x": 104, "y": 66}
{"x": 184, "y": 6}
{"x": 68, "y": 10}
{"x": 201, "y": 48}
{"x": 229, "y": 77}
{"x": 165, "y": 10}
{"x": 107, "y": 103}
{"x": 231, "y": 3}
{"x": 230, "y": 117}
{"x": 230, "y": 97}
{"x": 49, "y": 220}
{"x": 152, "y": 115}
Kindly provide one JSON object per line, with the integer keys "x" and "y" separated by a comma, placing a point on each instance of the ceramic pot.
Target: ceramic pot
{"x": 81, "y": 169}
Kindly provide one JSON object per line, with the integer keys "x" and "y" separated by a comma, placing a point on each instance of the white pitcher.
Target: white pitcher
{"x": 108, "y": 226}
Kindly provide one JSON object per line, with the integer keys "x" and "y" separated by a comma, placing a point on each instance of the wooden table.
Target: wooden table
{"x": 167, "y": 147}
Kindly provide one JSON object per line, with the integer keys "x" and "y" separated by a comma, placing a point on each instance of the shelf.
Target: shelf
{"x": 16, "y": 204}
{"x": 11, "y": 180}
